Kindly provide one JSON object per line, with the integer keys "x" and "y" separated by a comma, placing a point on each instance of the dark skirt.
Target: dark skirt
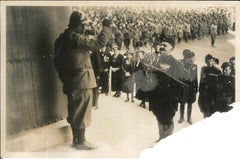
{"x": 128, "y": 84}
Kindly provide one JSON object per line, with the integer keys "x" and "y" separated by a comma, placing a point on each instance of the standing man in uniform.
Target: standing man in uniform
{"x": 191, "y": 81}
{"x": 213, "y": 32}
{"x": 162, "y": 99}
{"x": 73, "y": 64}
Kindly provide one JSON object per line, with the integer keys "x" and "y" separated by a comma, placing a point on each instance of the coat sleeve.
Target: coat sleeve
{"x": 93, "y": 45}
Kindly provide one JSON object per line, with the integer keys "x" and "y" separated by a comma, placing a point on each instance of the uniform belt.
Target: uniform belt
{"x": 83, "y": 69}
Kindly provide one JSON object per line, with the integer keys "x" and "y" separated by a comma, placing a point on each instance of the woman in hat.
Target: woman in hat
{"x": 116, "y": 61}
{"x": 128, "y": 77}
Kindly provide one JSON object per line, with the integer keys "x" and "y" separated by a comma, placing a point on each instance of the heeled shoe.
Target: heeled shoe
{"x": 180, "y": 120}
{"x": 118, "y": 94}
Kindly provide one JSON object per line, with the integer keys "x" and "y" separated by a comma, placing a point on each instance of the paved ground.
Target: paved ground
{"x": 124, "y": 129}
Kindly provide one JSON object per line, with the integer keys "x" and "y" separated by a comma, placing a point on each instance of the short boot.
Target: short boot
{"x": 82, "y": 144}
{"x": 189, "y": 112}
{"x": 181, "y": 113}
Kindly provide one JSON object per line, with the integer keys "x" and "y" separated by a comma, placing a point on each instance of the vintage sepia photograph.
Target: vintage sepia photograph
{"x": 119, "y": 79}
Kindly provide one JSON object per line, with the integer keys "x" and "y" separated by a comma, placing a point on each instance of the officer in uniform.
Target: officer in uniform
{"x": 209, "y": 85}
{"x": 73, "y": 64}
{"x": 191, "y": 81}
{"x": 213, "y": 32}
{"x": 162, "y": 99}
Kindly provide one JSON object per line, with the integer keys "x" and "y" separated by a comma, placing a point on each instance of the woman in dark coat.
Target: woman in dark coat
{"x": 208, "y": 86}
{"x": 116, "y": 61}
{"x": 128, "y": 76}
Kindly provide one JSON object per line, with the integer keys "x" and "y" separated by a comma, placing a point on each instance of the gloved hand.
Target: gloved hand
{"x": 106, "y": 22}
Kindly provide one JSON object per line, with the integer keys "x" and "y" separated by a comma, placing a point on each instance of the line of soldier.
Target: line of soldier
{"x": 132, "y": 24}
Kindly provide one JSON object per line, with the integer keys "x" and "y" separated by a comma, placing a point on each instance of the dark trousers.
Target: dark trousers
{"x": 189, "y": 110}
{"x": 80, "y": 102}
{"x": 213, "y": 37}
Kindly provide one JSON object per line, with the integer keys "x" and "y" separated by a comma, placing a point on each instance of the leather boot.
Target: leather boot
{"x": 189, "y": 112}
{"x": 82, "y": 144}
{"x": 74, "y": 141}
{"x": 181, "y": 113}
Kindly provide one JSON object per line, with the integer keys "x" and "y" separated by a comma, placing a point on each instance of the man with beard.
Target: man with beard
{"x": 163, "y": 101}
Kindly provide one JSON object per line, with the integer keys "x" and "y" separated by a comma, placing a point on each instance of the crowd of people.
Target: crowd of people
{"x": 150, "y": 25}
{"x": 89, "y": 61}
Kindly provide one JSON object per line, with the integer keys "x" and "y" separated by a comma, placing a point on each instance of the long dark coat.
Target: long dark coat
{"x": 117, "y": 77}
{"x": 163, "y": 100}
{"x": 208, "y": 88}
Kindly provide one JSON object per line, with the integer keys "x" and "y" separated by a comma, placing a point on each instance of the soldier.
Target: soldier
{"x": 191, "y": 69}
{"x": 73, "y": 64}
{"x": 213, "y": 32}
{"x": 162, "y": 100}
{"x": 232, "y": 62}
{"x": 209, "y": 85}
{"x": 179, "y": 32}
{"x": 186, "y": 31}
{"x": 126, "y": 38}
{"x": 226, "y": 94}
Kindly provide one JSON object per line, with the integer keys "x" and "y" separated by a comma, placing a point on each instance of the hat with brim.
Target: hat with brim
{"x": 87, "y": 21}
{"x": 129, "y": 52}
{"x": 208, "y": 57}
{"x": 232, "y": 59}
{"x": 115, "y": 46}
{"x": 188, "y": 54}
{"x": 225, "y": 65}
